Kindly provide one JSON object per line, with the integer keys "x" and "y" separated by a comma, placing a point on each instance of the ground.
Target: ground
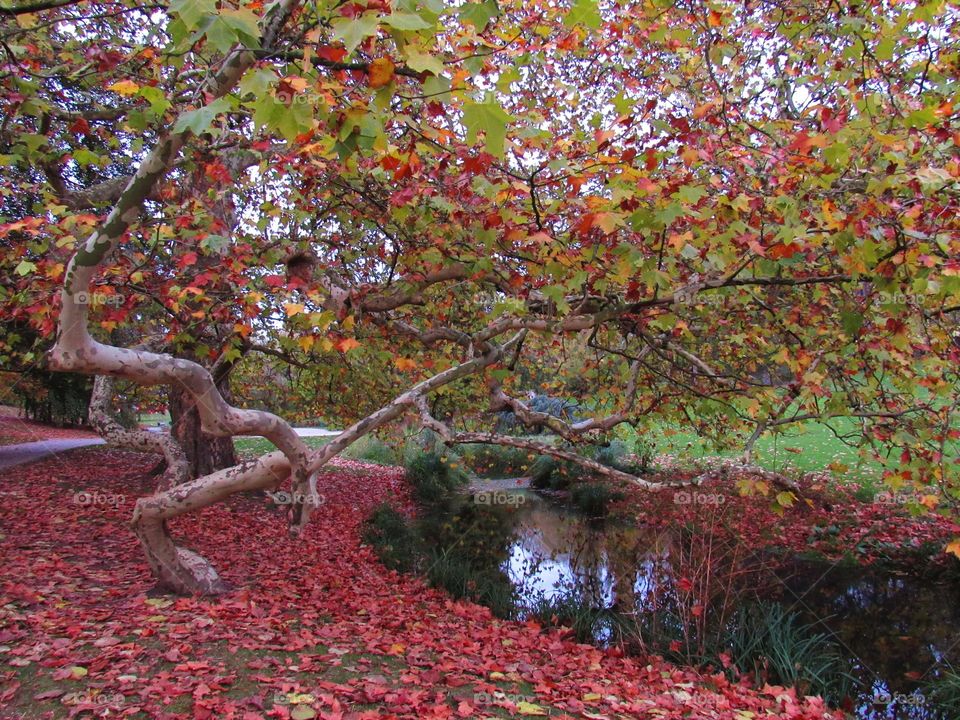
{"x": 15, "y": 430}
{"x": 314, "y": 627}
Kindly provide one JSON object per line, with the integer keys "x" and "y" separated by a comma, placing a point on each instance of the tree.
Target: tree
{"x": 738, "y": 216}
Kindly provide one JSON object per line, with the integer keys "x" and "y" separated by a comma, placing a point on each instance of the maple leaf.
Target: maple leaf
{"x": 380, "y": 72}
{"x": 347, "y": 344}
{"x": 953, "y": 547}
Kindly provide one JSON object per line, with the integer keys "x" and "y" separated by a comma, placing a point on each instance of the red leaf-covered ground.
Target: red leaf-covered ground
{"x": 17, "y": 430}
{"x": 316, "y": 627}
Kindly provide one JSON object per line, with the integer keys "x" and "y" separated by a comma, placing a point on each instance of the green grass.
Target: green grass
{"x": 372, "y": 449}
{"x": 807, "y": 447}
{"x": 257, "y": 446}
{"x": 153, "y": 418}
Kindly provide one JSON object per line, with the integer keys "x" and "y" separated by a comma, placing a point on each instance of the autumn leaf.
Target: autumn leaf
{"x": 380, "y": 72}
{"x": 953, "y": 547}
{"x": 402, "y": 363}
{"x": 124, "y": 87}
{"x": 526, "y": 708}
{"x": 347, "y": 344}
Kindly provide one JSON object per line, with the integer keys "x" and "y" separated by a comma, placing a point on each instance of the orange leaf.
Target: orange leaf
{"x": 405, "y": 363}
{"x": 347, "y": 344}
{"x": 380, "y": 72}
{"x": 953, "y": 547}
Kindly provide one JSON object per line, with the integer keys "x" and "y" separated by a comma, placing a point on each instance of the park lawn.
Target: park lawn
{"x": 257, "y": 446}
{"x": 314, "y": 627}
{"x": 806, "y": 447}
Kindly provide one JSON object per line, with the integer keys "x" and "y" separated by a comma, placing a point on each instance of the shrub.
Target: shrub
{"x": 462, "y": 579}
{"x": 434, "y": 477}
{"x": 495, "y": 460}
{"x": 548, "y": 473}
{"x": 593, "y": 499}
{"x": 392, "y": 537}
{"x": 370, "y": 448}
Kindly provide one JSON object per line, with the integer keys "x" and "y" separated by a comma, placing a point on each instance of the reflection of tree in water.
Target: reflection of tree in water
{"x": 900, "y": 629}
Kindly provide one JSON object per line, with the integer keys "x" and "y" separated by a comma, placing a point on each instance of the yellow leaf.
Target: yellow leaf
{"x": 930, "y": 501}
{"x": 124, "y": 87}
{"x": 293, "y": 309}
{"x": 591, "y": 697}
{"x": 953, "y": 547}
{"x": 525, "y": 708}
{"x": 77, "y": 672}
{"x": 786, "y": 499}
{"x": 306, "y": 342}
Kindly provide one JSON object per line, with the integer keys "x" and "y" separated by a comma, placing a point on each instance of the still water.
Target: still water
{"x": 894, "y": 632}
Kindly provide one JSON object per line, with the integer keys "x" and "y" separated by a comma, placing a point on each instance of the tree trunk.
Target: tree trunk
{"x": 205, "y": 453}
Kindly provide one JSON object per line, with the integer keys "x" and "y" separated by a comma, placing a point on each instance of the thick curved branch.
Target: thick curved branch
{"x": 178, "y": 466}
{"x": 75, "y": 350}
{"x": 186, "y": 572}
{"x": 572, "y": 432}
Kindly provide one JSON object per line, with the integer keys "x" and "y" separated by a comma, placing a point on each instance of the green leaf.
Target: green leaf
{"x": 199, "y": 121}
{"x": 423, "y": 62}
{"x": 690, "y": 194}
{"x": 353, "y": 31}
{"x": 479, "y": 14}
{"x": 220, "y": 36}
{"x": 852, "y": 322}
{"x": 193, "y": 12}
{"x": 215, "y": 243}
{"x": 246, "y": 25}
{"x": 25, "y": 268}
{"x": 156, "y": 97}
{"x": 583, "y": 12}
{"x": 406, "y": 21}
{"x": 288, "y": 121}
{"x": 491, "y": 119}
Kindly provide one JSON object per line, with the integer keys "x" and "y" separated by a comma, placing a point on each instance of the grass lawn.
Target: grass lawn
{"x": 153, "y": 418}
{"x": 807, "y": 447}
{"x": 257, "y": 446}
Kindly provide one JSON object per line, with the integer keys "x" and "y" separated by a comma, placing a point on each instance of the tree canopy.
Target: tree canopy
{"x": 730, "y": 215}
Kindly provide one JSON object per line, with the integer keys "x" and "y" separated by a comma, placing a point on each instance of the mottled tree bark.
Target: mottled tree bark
{"x": 205, "y": 453}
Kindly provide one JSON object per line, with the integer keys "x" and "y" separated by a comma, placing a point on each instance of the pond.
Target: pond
{"x": 892, "y": 634}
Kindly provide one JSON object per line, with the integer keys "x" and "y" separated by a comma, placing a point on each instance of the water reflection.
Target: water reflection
{"x": 896, "y": 633}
